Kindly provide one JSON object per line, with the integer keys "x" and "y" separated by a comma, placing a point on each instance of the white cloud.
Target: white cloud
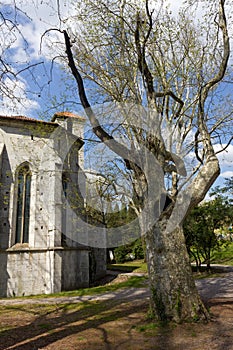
{"x": 226, "y": 156}
{"x": 25, "y": 42}
{"x": 43, "y": 15}
{"x": 21, "y": 104}
{"x": 39, "y": 17}
{"x": 227, "y": 174}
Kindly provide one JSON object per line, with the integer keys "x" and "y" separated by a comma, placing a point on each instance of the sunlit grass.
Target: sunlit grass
{"x": 134, "y": 281}
{"x": 138, "y": 266}
{"x": 224, "y": 255}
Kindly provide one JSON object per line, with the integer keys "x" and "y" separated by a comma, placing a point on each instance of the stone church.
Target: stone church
{"x": 39, "y": 249}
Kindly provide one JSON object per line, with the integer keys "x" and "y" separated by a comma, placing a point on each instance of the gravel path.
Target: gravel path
{"x": 209, "y": 288}
{"x": 220, "y": 287}
{"x": 124, "y": 294}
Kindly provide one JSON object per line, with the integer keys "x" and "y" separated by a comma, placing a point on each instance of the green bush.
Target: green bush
{"x": 120, "y": 254}
{"x": 129, "y": 252}
{"x": 137, "y": 250}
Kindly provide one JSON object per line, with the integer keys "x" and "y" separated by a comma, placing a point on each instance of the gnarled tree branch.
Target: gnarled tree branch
{"x": 104, "y": 136}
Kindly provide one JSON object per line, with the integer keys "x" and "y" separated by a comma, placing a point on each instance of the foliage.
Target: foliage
{"x": 121, "y": 253}
{"x": 226, "y": 191}
{"x": 129, "y": 252}
{"x": 138, "y": 250}
{"x": 175, "y": 66}
{"x": 224, "y": 255}
{"x": 200, "y": 226}
{"x": 169, "y": 70}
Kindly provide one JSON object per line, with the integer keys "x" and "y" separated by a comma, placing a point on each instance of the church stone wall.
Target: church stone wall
{"x": 75, "y": 269}
{"x": 43, "y": 265}
{"x": 27, "y": 273}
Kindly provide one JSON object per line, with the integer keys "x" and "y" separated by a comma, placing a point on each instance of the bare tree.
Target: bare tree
{"x": 12, "y": 84}
{"x": 134, "y": 52}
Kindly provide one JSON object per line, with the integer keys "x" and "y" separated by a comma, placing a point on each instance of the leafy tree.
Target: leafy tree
{"x": 170, "y": 69}
{"x": 124, "y": 253}
{"x": 200, "y": 226}
{"x": 226, "y": 191}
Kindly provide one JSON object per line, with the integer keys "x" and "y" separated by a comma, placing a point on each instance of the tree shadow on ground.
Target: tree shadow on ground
{"x": 110, "y": 324}
{"x": 210, "y": 288}
{"x": 221, "y": 310}
{"x": 60, "y": 321}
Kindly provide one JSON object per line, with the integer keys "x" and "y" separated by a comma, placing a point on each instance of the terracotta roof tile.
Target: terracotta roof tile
{"x": 67, "y": 115}
{"x": 56, "y": 115}
{"x": 23, "y": 118}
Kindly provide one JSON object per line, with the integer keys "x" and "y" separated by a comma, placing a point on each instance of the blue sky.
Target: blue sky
{"x": 42, "y": 86}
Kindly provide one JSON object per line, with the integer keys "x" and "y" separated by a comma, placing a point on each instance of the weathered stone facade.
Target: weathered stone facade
{"x": 39, "y": 250}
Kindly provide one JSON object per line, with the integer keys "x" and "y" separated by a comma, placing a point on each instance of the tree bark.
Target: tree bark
{"x": 173, "y": 292}
{"x": 174, "y": 296}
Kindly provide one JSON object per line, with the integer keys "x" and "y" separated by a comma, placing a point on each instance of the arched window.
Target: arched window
{"x": 23, "y": 204}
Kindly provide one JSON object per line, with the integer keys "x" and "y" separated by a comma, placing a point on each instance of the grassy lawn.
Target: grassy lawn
{"x": 224, "y": 255}
{"x": 134, "y": 281}
{"x": 138, "y": 266}
{"x": 221, "y": 256}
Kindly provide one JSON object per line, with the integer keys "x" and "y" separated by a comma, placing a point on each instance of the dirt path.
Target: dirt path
{"x": 115, "y": 321}
{"x": 128, "y": 294}
{"x": 220, "y": 287}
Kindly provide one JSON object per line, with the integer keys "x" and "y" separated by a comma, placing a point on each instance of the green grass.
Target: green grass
{"x": 224, "y": 255}
{"x": 213, "y": 273}
{"x": 141, "y": 267}
{"x": 221, "y": 256}
{"x": 134, "y": 281}
{"x": 138, "y": 266}
{"x": 147, "y": 327}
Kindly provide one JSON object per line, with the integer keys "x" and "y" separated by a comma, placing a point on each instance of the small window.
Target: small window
{"x": 23, "y": 204}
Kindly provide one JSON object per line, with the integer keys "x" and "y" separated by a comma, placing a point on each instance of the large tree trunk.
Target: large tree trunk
{"x": 173, "y": 292}
{"x": 174, "y": 296}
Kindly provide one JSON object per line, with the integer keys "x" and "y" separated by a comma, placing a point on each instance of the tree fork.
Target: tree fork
{"x": 173, "y": 303}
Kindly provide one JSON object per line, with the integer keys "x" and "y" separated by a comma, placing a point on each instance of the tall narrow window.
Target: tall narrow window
{"x": 23, "y": 205}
